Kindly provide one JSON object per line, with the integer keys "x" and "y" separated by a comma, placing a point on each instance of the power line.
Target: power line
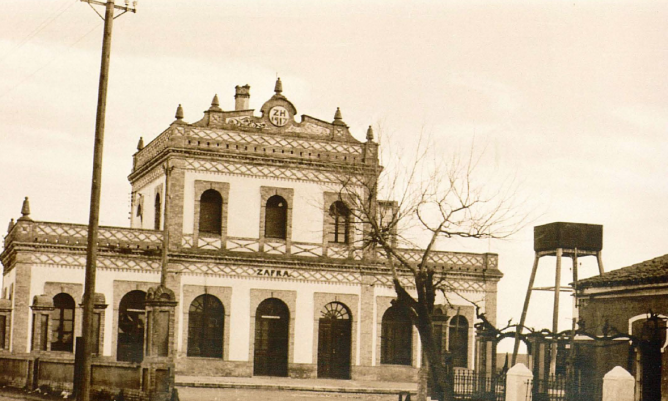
{"x": 58, "y": 56}
{"x": 34, "y": 32}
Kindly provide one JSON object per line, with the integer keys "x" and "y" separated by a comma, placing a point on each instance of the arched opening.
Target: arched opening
{"x": 272, "y": 325}
{"x": 210, "y": 212}
{"x": 396, "y": 341}
{"x": 158, "y": 209}
{"x": 62, "y": 326}
{"x": 338, "y": 223}
{"x": 131, "y": 322}
{"x": 458, "y": 341}
{"x": 276, "y": 218}
{"x": 206, "y": 320}
{"x": 334, "y": 337}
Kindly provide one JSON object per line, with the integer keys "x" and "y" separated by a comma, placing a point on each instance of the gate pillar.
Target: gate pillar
{"x": 539, "y": 349}
{"x": 158, "y": 365}
{"x": 486, "y": 342}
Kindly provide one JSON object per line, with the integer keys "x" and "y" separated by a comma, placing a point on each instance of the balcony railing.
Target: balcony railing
{"x": 39, "y": 232}
{"x": 77, "y": 234}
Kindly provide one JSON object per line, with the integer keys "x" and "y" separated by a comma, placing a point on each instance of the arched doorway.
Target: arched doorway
{"x": 396, "y": 338}
{"x": 272, "y": 324}
{"x": 651, "y": 333}
{"x": 131, "y": 322}
{"x": 334, "y": 335}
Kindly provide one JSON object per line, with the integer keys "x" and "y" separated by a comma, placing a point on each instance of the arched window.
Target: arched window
{"x": 210, "y": 212}
{"x": 62, "y": 328}
{"x": 458, "y": 334}
{"x": 131, "y": 322}
{"x": 338, "y": 223}
{"x": 276, "y": 218}
{"x": 396, "y": 341}
{"x": 158, "y": 208}
{"x": 206, "y": 318}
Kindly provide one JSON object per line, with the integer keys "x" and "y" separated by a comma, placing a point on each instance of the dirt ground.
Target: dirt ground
{"x": 214, "y": 394}
{"x": 208, "y": 394}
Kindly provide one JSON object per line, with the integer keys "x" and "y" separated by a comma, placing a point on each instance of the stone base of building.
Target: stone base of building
{"x": 212, "y": 367}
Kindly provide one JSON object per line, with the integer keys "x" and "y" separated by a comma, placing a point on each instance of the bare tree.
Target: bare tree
{"x": 439, "y": 197}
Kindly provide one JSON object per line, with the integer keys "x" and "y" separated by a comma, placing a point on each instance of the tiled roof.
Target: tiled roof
{"x": 651, "y": 271}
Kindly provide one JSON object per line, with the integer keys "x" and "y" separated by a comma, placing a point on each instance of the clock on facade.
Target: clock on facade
{"x": 278, "y": 115}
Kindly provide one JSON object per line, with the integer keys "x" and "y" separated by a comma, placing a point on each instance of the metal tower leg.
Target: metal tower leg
{"x": 555, "y": 313}
{"x": 518, "y": 332}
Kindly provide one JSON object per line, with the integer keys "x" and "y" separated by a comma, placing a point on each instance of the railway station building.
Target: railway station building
{"x": 264, "y": 258}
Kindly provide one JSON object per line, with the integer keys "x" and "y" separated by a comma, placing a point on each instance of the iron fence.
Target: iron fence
{"x": 560, "y": 388}
{"x": 471, "y": 386}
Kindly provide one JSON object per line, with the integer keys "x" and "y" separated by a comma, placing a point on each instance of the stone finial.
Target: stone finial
{"x": 215, "y": 104}
{"x": 25, "y": 210}
{"x": 279, "y": 86}
{"x": 179, "y": 113}
{"x": 338, "y": 118}
{"x": 369, "y": 134}
{"x": 11, "y": 225}
{"x": 140, "y": 144}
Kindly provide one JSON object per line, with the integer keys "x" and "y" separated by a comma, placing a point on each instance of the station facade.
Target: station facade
{"x": 264, "y": 256}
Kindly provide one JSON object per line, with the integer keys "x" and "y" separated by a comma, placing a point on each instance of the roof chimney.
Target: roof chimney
{"x": 242, "y": 97}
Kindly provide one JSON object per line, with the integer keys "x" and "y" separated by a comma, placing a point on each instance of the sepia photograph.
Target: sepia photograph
{"x": 357, "y": 200}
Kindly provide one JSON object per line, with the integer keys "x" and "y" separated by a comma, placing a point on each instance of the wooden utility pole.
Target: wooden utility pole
{"x": 83, "y": 392}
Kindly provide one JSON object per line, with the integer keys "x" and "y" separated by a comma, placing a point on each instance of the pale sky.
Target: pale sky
{"x": 569, "y": 97}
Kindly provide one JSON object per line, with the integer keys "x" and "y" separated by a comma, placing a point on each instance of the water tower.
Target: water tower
{"x": 571, "y": 240}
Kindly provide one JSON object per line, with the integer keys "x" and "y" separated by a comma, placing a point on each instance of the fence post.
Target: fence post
{"x": 618, "y": 385}
{"x": 517, "y": 383}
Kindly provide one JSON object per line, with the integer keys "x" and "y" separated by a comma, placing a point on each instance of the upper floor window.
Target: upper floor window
{"x": 158, "y": 208}
{"x": 210, "y": 212}
{"x": 276, "y": 218}
{"x": 62, "y": 334}
{"x": 338, "y": 223}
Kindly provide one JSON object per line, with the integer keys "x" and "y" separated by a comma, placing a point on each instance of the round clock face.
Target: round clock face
{"x": 279, "y": 116}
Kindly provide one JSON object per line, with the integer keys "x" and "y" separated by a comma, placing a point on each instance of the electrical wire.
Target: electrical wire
{"x": 35, "y": 31}
{"x": 60, "y": 55}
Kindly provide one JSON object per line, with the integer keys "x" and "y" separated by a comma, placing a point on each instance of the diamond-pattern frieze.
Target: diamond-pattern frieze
{"x": 262, "y": 171}
{"x": 104, "y": 262}
{"x": 276, "y": 141}
{"x": 154, "y": 148}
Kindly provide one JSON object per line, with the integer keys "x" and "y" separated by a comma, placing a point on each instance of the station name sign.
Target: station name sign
{"x": 272, "y": 273}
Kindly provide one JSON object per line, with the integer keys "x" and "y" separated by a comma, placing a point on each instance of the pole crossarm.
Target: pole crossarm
{"x": 124, "y": 8}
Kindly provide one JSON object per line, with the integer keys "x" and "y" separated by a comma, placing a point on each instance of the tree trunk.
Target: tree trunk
{"x": 441, "y": 375}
